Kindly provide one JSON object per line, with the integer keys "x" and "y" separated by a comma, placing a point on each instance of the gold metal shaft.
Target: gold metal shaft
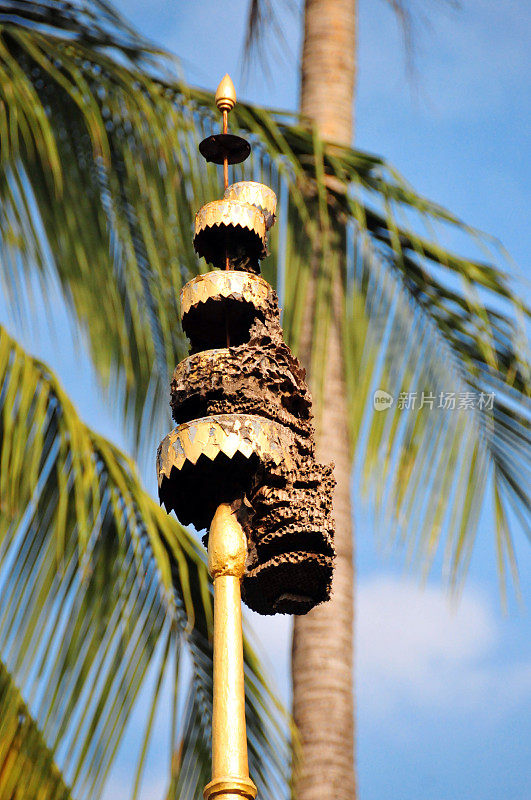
{"x": 225, "y": 160}
{"x": 227, "y": 550}
{"x": 226, "y": 186}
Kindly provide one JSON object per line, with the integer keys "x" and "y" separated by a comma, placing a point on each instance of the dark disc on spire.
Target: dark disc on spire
{"x": 225, "y": 145}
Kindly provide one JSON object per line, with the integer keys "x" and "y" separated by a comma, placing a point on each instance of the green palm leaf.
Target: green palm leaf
{"x": 27, "y": 769}
{"x": 97, "y": 584}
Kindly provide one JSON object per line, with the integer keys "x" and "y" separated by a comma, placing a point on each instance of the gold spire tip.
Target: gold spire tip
{"x": 226, "y": 94}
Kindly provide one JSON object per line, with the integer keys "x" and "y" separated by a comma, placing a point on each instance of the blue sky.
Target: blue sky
{"x": 443, "y": 690}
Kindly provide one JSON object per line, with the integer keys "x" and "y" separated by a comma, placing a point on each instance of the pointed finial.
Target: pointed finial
{"x": 226, "y": 94}
{"x": 225, "y": 148}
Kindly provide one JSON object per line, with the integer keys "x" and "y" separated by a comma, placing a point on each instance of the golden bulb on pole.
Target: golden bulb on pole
{"x": 226, "y": 94}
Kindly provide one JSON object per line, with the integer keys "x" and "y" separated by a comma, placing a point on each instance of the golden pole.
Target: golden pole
{"x": 225, "y": 101}
{"x": 227, "y": 550}
{"x": 225, "y": 160}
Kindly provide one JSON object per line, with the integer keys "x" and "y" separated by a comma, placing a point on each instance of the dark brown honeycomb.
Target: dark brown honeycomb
{"x": 285, "y": 509}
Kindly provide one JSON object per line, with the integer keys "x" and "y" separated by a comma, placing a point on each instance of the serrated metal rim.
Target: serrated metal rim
{"x": 247, "y": 434}
{"x": 246, "y": 286}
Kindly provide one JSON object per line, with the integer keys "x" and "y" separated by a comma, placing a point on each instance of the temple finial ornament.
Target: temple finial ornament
{"x": 241, "y": 461}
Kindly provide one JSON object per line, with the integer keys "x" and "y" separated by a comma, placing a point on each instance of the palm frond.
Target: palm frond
{"x": 97, "y": 584}
{"x": 437, "y": 460}
{"x": 113, "y": 119}
{"x": 27, "y": 768}
{"x": 264, "y": 34}
{"x": 411, "y": 18}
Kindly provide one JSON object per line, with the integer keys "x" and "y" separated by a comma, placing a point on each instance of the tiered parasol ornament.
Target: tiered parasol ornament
{"x": 243, "y": 451}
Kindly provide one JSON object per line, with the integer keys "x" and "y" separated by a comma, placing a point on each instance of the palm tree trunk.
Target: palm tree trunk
{"x": 322, "y": 659}
{"x": 328, "y": 67}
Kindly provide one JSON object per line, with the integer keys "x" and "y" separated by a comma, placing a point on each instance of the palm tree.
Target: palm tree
{"x": 85, "y": 102}
{"x": 323, "y": 640}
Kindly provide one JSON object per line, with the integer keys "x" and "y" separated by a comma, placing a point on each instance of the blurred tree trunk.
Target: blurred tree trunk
{"x": 322, "y": 664}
